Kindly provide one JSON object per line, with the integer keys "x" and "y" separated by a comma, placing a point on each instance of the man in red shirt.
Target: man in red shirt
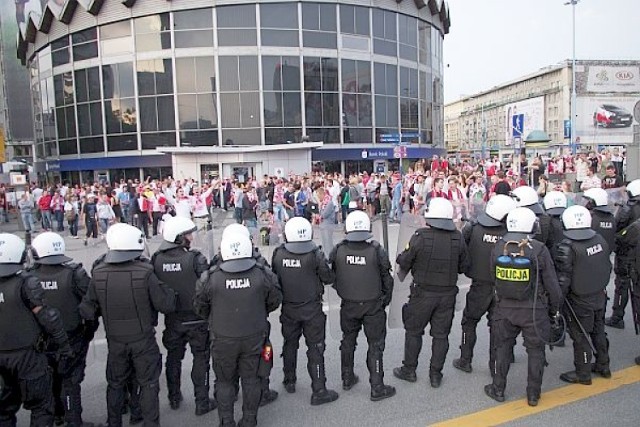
{"x": 44, "y": 204}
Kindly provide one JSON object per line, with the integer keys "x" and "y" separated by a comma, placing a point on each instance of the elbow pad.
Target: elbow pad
{"x": 51, "y": 321}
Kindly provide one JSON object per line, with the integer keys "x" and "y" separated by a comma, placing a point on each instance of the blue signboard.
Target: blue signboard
{"x": 567, "y": 129}
{"x": 517, "y": 125}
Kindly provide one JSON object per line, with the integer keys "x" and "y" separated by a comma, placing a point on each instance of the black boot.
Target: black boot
{"x": 381, "y": 391}
{"x": 205, "y": 407}
{"x": 349, "y": 380}
{"x": 572, "y": 378}
{"x": 614, "y": 322}
{"x": 268, "y": 396}
{"x": 175, "y": 401}
{"x": 435, "y": 378}
{"x": 493, "y": 392}
{"x": 605, "y": 372}
{"x": 463, "y": 365}
{"x": 532, "y": 399}
{"x": 405, "y": 374}
{"x": 289, "y": 385}
{"x": 323, "y": 396}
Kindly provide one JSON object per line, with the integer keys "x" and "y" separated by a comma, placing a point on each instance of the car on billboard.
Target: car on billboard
{"x": 609, "y": 115}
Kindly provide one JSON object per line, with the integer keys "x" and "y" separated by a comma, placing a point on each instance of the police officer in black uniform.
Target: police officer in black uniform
{"x": 364, "y": 282}
{"x": 527, "y": 290}
{"x": 625, "y": 216}
{"x": 128, "y": 295}
{"x": 583, "y": 266}
{"x": 527, "y": 197}
{"x": 435, "y": 255}
{"x": 303, "y": 271}
{"x": 236, "y": 297}
{"x": 554, "y": 203}
{"x": 179, "y": 267}
{"x": 65, "y": 284}
{"x": 603, "y": 221}
{"x": 480, "y": 237}
{"x": 23, "y": 315}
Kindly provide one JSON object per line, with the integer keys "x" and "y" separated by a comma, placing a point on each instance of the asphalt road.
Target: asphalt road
{"x": 414, "y": 405}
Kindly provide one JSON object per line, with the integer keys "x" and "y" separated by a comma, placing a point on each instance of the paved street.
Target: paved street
{"x": 414, "y": 405}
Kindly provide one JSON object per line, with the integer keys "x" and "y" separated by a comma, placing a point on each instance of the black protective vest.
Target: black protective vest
{"x": 357, "y": 272}
{"x": 440, "y": 253}
{"x": 545, "y": 224}
{"x": 298, "y": 276}
{"x": 238, "y": 305}
{"x": 604, "y": 224}
{"x": 515, "y": 271}
{"x": 123, "y": 295}
{"x": 176, "y": 269}
{"x": 481, "y": 244}
{"x": 57, "y": 282}
{"x": 18, "y": 324}
{"x": 592, "y": 267}
{"x": 556, "y": 231}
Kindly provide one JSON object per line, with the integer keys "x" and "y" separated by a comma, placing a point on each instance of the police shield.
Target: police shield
{"x": 617, "y": 198}
{"x": 408, "y": 226}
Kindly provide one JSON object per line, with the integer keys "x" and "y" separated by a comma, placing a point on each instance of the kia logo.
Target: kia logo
{"x": 624, "y": 75}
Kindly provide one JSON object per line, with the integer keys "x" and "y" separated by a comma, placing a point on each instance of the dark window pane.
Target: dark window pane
{"x": 148, "y": 115}
{"x": 91, "y": 145}
{"x": 364, "y": 77}
{"x": 358, "y": 136}
{"x": 146, "y": 78}
{"x": 189, "y": 19}
{"x": 283, "y": 15}
{"x": 185, "y": 78}
{"x": 188, "y": 111}
{"x": 68, "y": 146}
{"x": 331, "y": 109}
{"x": 58, "y": 83}
{"x": 249, "y": 73}
{"x": 312, "y": 75}
{"x": 330, "y": 75}
{"x": 292, "y": 109}
{"x": 93, "y": 83}
{"x": 362, "y": 20}
{"x": 61, "y": 124}
{"x": 201, "y": 138}
{"x": 84, "y": 36}
{"x": 166, "y": 113}
{"x": 82, "y": 94}
{"x": 207, "y": 111}
{"x": 380, "y": 78}
{"x": 349, "y": 82}
{"x": 328, "y": 17}
{"x": 392, "y": 80}
{"x": 327, "y": 135}
{"x": 199, "y": 38}
{"x": 310, "y": 16}
{"x": 347, "y": 19}
{"x": 95, "y": 111}
{"x": 404, "y": 82}
{"x": 164, "y": 76}
{"x": 71, "y": 121}
{"x": 287, "y": 38}
{"x": 313, "y": 108}
{"x": 111, "y": 114}
{"x": 350, "y": 110}
{"x": 60, "y": 43}
{"x": 205, "y": 74}
{"x": 273, "y": 109}
{"x": 250, "y": 109}
{"x": 122, "y": 143}
{"x": 290, "y": 73}
{"x": 153, "y": 140}
{"x": 230, "y": 110}
{"x": 390, "y": 28}
{"x": 381, "y": 111}
{"x": 383, "y": 47}
{"x": 229, "y": 73}
{"x": 241, "y": 136}
{"x": 282, "y": 136}
{"x": 60, "y": 57}
{"x": 364, "y": 110}
{"x": 319, "y": 40}
{"x": 125, "y": 79}
{"x": 243, "y": 16}
{"x": 392, "y": 111}
{"x": 85, "y": 51}
{"x": 413, "y": 83}
{"x": 84, "y": 120}
{"x": 378, "y": 23}
{"x": 408, "y": 52}
{"x": 271, "y": 73}
{"x": 237, "y": 37}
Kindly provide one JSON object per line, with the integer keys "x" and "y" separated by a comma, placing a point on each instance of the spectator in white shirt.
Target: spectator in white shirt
{"x": 591, "y": 181}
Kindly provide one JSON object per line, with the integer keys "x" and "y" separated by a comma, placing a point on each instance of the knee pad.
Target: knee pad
{"x": 36, "y": 391}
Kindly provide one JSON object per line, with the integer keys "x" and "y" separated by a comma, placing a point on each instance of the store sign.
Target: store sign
{"x": 613, "y": 79}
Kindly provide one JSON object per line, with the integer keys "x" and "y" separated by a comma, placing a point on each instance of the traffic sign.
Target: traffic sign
{"x": 400, "y": 152}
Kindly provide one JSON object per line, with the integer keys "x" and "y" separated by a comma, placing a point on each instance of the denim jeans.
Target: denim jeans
{"x": 59, "y": 216}
{"x": 252, "y": 225}
{"x": 27, "y": 220}
{"x": 46, "y": 219}
{"x": 73, "y": 226}
{"x": 278, "y": 212}
{"x": 104, "y": 224}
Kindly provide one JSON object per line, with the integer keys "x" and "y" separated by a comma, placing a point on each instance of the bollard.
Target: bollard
{"x": 385, "y": 230}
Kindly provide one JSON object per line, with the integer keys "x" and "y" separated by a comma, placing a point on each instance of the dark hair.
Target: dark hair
{"x": 544, "y": 177}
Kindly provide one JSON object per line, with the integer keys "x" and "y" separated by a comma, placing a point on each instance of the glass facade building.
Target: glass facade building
{"x": 238, "y": 74}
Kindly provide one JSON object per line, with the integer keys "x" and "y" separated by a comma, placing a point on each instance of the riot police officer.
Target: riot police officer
{"x": 603, "y": 221}
{"x": 526, "y": 288}
{"x": 554, "y": 203}
{"x": 128, "y": 295}
{"x": 625, "y": 216}
{"x": 23, "y": 315}
{"x": 527, "y": 197}
{"x": 65, "y": 284}
{"x": 364, "y": 283}
{"x": 480, "y": 237}
{"x": 583, "y": 266}
{"x": 236, "y": 297}
{"x": 302, "y": 271}
{"x": 435, "y": 255}
{"x": 179, "y": 267}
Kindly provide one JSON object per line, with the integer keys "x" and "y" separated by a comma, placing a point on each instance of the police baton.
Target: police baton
{"x": 634, "y": 307}
{"x": 194, "y": 322}
{"x": 586, "y": 335}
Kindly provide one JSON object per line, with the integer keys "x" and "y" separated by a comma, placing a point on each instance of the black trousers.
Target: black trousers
{"x": 480, "y": 301}
{"x": 175, "y": 338}
{"x": 313, "y": 326}
{"x": 592, "y": 320}
{"x": 508, "y": 323}
{"x": 143, "y": 360}
{"x": 92, "y": 228}
{"x": 372, "y": 317}
{"x": 622, "y": 268}
{"x": 157, "y": 216}
{"x": 422, "y": 310}
{"x": 28, "y": 383}
{"x": 233, "y": 358}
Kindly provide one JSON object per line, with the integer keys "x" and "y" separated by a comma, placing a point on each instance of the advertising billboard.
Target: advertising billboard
{"x": 522, "y": 117}
{"x": 608, "y": 79}
{"x": 606, "y": 119}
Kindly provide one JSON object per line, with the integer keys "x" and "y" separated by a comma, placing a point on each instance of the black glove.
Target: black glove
{"x": 89, "y": 329}
{"x": 65, "y": 356}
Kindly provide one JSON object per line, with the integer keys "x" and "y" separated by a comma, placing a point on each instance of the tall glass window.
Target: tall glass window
{"x": 385, "y": 33}
{"x": 319, "y": 25}
{"x": 424, "y": 42}
{"x": 408, "y": 37}
{"x": 60, "y": 52}
{"x": 193, "y": 28}
{"x": 65, "y": 112}
{"x": 115, "y": 39}
{"x": 279, "y": 24}
{"x": 157, "y": 114}
{"x": 239, "y": 100}
{"x": 89, "y": 108}
{"x": 85, "y": 44}
{"x": 409, "y": 100}
{"x": 356, "y": 101}
{"x": 282, "y": 107}
{"x": 197, "y": 111}
{"x": 321, "y": 99}
{"x": 153, "y": 33}
{"x": 237, "y": 25}
{"x": 386, "y": 90}
{"x": 354, "y": 26}
{"x": 120, "y": 106}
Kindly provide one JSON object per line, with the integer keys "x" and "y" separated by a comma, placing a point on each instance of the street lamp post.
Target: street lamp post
{"x": 572, "y": 144}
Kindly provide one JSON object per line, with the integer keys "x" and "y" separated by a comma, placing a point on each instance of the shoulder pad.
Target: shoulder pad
{"x": 25, "y": 275}
{"x": 73, "y": 265}
{"x": 375, "y": 244}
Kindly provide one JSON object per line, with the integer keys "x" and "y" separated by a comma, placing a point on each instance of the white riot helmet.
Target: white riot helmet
{"x": 49, "y": 248}
{"x": 521, "y": 220}
{"x": 598, "y": 199}
{"x": 555, "y": 202}
{"x": 299, "y": 236}
{"x": 577, "y": 223}
{"x": 125, "y": 243}
{"x": 496, "y": 210}
{"x": 358, "y": 227}
{"x": 175, "y": 228}
{"x": 527, "y": 197}
{"x": 439, "y": 214}
{"x": 236, "y": 251}
{"x": 235, "y": 228}
{"x": 633, "y": 188}
{"x": 12, "y": 254}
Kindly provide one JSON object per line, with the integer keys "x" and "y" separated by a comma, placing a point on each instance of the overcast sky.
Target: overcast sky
{"x": 493, "y": 41}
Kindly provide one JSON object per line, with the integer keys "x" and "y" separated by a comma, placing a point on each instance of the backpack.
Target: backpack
{"x": 515, "y": 272}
